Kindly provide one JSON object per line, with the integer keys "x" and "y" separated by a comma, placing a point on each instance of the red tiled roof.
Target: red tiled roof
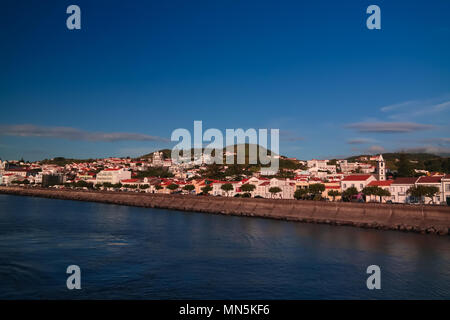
{"x": 129, "y": 180}
{"x": 361, "y": 177}
{"x": 434, "y": 179}
{"x": 386, "y": 183}
{"x": 405, "y": 180}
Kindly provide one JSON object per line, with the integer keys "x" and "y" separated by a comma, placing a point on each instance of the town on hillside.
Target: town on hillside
{"x": 360, "y": 179}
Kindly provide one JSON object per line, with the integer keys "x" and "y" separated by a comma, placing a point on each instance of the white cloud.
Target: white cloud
{"x": 29, "y": 130}
{"x": 388, "y": 127}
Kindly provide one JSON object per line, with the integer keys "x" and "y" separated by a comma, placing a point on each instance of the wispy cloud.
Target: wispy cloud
{"x": 361, "y": 141}
{"x": 427, "y": 149}
{"x": 399, "y": 106}
{"x": 417, "y": 108}
{"x": 29, "y": 130}
{"x": 388, "y": 127}
{"x": 438, "y": 141}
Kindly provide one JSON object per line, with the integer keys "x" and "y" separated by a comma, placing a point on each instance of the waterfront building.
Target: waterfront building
{"x": 53, "y": 179}
{"x": 217, "y": 188}
{"x": 399, "y": 188}
{"x": 8, "y": 178}
{"x": 432, "y": 181}
{"x": 329, "y": 187}
{"x": 112, "y": 176}
{"x": 446, "y": 189}
{"x": 23, "y": 172}
{"x": 131, "y": 182}
{"x": 386, "y": 184}
{"x": 359, "y": 181}
{"x": 287, "y": 187}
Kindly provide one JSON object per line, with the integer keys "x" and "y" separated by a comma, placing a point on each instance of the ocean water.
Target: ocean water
{"x": 138, "y": 253}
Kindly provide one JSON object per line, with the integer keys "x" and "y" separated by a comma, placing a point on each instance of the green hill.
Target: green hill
{"x": 420, "y": 161}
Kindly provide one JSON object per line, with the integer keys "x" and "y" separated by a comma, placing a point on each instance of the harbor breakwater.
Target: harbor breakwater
{"x": 414, "y": 218}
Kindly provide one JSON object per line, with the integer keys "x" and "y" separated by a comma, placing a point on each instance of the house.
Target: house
{"x": 112, "y": 176}
{"x": 446, "y": 189}
{"x": 329, "y": 187}
{"x": 8, "y": 178}
{"x": 131, "y": 182}
{"x": 287, "y": 189}
{"x": 217, "y": 188}
{"x": 18, "y": 172}
{"x": 386, "y": 184}
{"x": 432, "y": 181}
{"x": 399, "y": 189}
{"x": 347, "y": 167}
{"x": 359, "y": 181}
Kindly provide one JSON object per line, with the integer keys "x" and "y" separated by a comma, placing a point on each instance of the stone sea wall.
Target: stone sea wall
{"x": 415, "y": 218}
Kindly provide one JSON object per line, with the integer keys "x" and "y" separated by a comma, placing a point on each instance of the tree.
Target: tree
{"x": 383, "y": 193}
{"x": 404, "y": 167}
{"x": 430, "y": 192}
{"x": 274, "y": 190}
{"x": 334, "y": 194}
{"x": 144, "y": 186}
{"x": 300, "y": 193}
{"x": 189, "y": 187}
{"x": 248, "y": 187}
{"x": 349, "y": 193}
{"x": 158, "y": 187}
{"x": 107, "y": 185}
{"x": 227, "y": 187}
{"x": 316, "y": 190}
{"x": 172, "y": 186}
{"x": 420, "y": 192}
{"x": 206, "y": 189}
{"x": 370, "y": 191}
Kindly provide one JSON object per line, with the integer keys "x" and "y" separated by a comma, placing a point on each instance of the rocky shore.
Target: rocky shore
{"x": 413, "y": 218}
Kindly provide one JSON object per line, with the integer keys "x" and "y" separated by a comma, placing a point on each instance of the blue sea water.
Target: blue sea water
{"x": 138, "y": 253}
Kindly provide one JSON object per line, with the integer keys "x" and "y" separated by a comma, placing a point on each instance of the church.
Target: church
{"x": 381, "y": 169}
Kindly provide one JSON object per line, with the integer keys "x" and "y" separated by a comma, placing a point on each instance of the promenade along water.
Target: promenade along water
{"x": 139, "y": 253}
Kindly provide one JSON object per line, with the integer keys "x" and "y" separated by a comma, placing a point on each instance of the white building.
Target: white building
{"x": 157, "y": 159}
{"x": 358, "y": 181}
{"x": 287, "y": 189}
{"x": 347, "y": 167}
{"x": 8, "y": 178}
{"x": 399, "y": 189}
{"x": 112, "y": 176}
{"x": 446, "y": 189}
{"x": 381, "y": 168}
{"x": 217, "y": 188}
{"x": 432, "y": 181}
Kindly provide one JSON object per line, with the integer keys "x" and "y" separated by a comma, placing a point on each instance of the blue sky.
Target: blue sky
{"x": 137, "y": 70}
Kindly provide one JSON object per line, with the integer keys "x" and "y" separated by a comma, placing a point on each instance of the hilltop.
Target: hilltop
{"x": 419, "y": 161}
{"x": 284, "y": 162}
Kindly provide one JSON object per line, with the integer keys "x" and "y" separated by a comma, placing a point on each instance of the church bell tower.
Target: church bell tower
{"x": 381, "y": 168}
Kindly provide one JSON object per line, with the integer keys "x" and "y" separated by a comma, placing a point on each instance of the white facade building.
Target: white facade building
{"x": 399, "y": 188}
{"x": 112, "y": 176}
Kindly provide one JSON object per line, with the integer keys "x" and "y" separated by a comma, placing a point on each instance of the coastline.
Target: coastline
{"x": 411, "y": 218}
